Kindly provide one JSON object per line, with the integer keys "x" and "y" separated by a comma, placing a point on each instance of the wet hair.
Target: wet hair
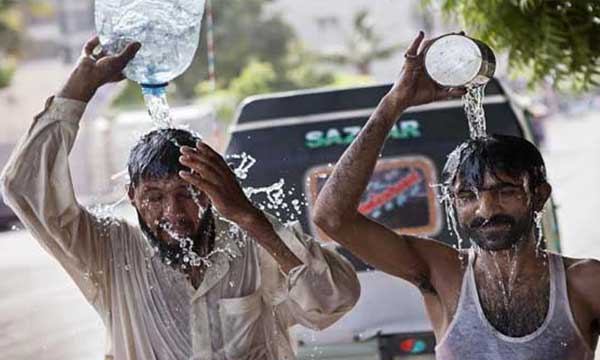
{"x": 156, "y": 154}
{"x": 509, "y": 155}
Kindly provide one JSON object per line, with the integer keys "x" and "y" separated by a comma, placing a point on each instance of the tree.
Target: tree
{"x": 13, "y": 14}
{"x": 363, "y": 46}
{"x": 557, "y": 40}
{"x": 9, "y": 40}
{"x": 10, "y": 26}
{"x": 242, "y": 32}
{"x": 255, "y": 53}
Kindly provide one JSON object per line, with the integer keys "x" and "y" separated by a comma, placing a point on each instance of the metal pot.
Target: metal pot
{"x": 459, "y": 61}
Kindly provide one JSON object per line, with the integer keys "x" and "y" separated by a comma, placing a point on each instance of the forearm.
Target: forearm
{"x": 260, "y": 228}
{"x": 77, "y": 87}
{"x": 342, "y": 192}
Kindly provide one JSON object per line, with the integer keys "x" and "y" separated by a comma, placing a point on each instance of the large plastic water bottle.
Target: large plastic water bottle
{"x": 169, "y": 31}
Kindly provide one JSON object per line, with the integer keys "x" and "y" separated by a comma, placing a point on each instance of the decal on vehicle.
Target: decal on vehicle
{"x": 399, "y": 195}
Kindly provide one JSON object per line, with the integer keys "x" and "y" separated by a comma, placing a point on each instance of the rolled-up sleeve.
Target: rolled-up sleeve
{"x": 36, "y": 184}
{"x": 321, "y": 290}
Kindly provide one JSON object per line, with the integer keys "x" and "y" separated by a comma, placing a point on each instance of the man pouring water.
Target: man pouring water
{"x": 504, "y": 298}
{"x": 206, "y": 275}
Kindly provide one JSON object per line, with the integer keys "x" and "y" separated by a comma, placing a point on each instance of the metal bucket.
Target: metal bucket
{"x": 459, "y": 61}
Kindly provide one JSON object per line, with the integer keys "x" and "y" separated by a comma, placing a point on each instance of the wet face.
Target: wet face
{"x": 168, "y": 208}
{"x": 499, "y": 214}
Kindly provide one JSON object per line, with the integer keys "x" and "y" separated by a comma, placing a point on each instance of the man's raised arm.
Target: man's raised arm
{"x": 336, "y": 210}
{"x": 36, "y": 182}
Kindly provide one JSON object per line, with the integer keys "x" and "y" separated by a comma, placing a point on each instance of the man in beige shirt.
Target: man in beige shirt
{"x": 186, "y": 284}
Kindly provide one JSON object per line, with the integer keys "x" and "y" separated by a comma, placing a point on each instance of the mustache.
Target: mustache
{"x": 500, "y": 219}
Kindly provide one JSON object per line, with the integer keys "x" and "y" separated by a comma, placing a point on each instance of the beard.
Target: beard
{"x": 174, "y": 254}
{"x": 501, "y": 232}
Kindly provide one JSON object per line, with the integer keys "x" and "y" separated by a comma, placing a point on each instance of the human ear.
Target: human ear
{"x": 131, "y": 194}
{"x": 541, "y": 196}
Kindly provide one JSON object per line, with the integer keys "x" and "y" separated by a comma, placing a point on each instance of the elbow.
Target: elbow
{"x": 329, "y": 314}
{"x": 12, "y": 192}
{"x": 328, "y": 220}
{"x": 8, "y": 190}
{"x": 332, "y": 223}
{"x": 329, "y": 224}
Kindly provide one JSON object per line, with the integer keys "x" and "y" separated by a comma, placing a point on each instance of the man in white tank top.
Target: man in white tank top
{"x": 503, "y": 299}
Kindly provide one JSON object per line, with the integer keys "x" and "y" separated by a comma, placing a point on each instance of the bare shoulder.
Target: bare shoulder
{"x": 582, "y": 267}
{"x": 583, "y": 276}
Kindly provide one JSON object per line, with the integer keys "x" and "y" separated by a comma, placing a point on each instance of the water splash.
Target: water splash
{"x": 105, "y": 215}
{"x": 275, "y": 197}
{"x": 446, "y": 198}
{"x": 272, "y": 197}
{"x": 495, "y": 276}
{"x": 158, "y": 107}
{"x": 195, "y": 194}
{"x": 538, "y": 218}
{"x": 246, "y": 163}
{"x": 473, "y": 106}
{"x": 193, "y": 259}
{"x": 274, "y": 193}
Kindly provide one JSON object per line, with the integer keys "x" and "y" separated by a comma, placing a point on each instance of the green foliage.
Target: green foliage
{"x": 363, "y": 46}
{"x": 10, "y": 27}
{"x": 255, "y": 54}
{"x": 256, "y": 78}
{"x": 260, "y": 78}
{"x": 13, "y": 15}
{"x": 242, "y": 32}
{"x": 554, "y": 39}
{"x": 302, "y": 70}
{"x": 349, "y": 80}
{"x": 129, "y": 97}
{"x": 223, "y": 101}
{"x": 7, "y": 70}
{"x": 245, "y": 36}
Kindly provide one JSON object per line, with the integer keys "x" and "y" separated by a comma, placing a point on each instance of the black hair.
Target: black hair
{"x": 156, "y": 154}
{"x": 510, "y": 155}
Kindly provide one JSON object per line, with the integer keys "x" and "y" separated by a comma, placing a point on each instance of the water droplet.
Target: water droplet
{"x": 158, "y": 109}
{"x": 473, "y": 106}
{"x": 538, "y": 219}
